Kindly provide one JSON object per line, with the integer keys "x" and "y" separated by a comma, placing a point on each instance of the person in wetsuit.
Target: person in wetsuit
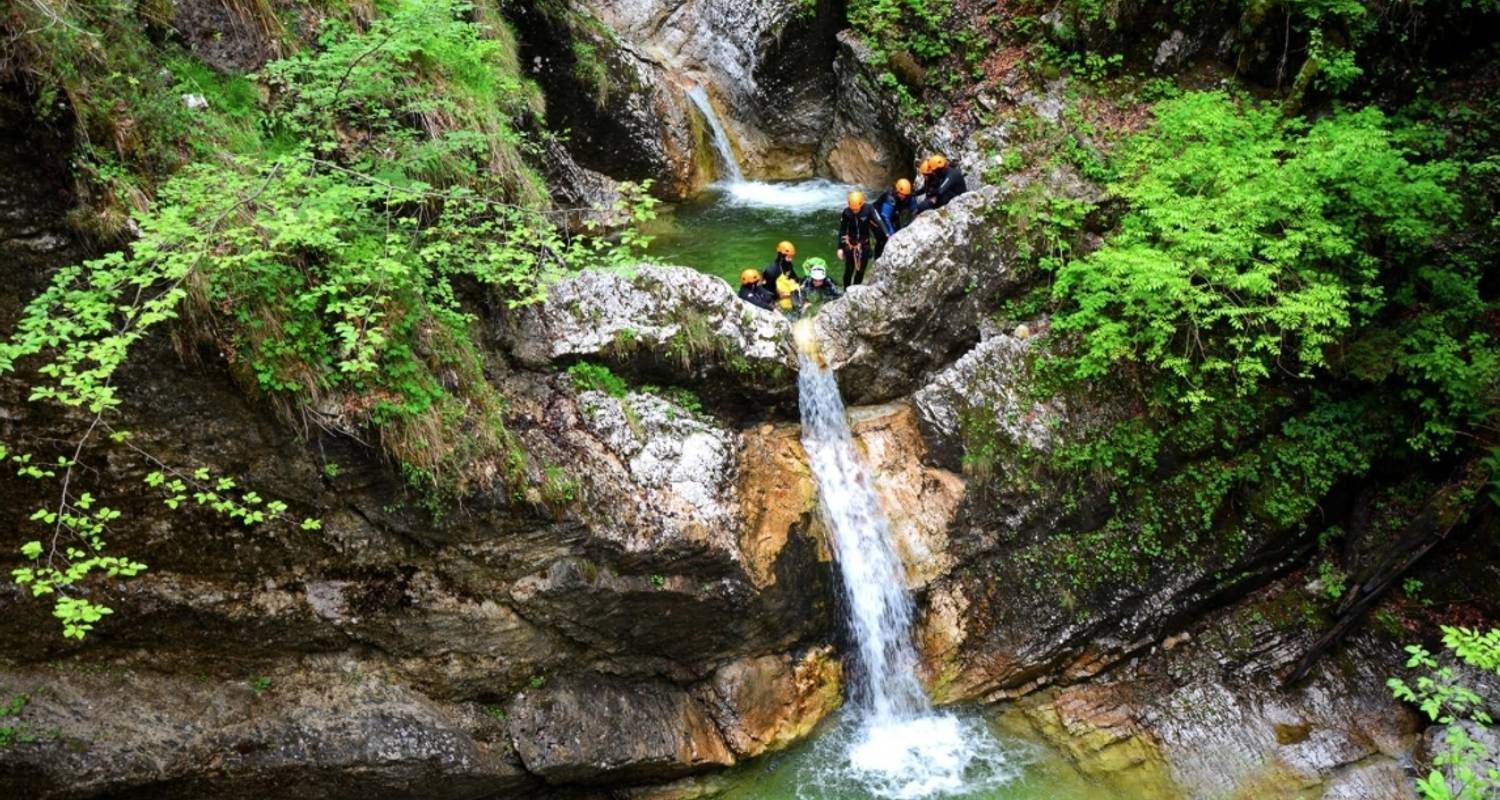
{"x": 785, "y": 252}
{"x": 894, "y": 208}
{"x": 858, "y": 226}
{"x": 818, "y": 289}
{"x": 941, "y": 183}
{"x": 754, "y": 291}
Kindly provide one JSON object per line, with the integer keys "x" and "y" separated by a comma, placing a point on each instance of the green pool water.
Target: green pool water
{"x": 729, "y": 227}
{"x": 814, "y": 770}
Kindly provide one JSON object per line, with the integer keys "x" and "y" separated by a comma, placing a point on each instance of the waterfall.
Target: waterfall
{"x": 727, "y": 161}
{"x": 896, "y": 745}
{"x": 879, "y": 606}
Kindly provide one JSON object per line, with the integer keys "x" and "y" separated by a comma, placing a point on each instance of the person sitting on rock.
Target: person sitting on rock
{"x": 788, "y": 296}
{"x": 785, "y": 252}
{"x": 941, "y": 182}
{"x": 857, "y": 227}
{"x": 818, "y": 289}
{"x": 754, "y": 291}
{"x": 894, "y": 208}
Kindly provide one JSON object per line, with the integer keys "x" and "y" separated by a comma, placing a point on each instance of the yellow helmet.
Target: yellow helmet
{"x": 856, "y": 200}
{"x": 903, "y": 187}
{"x": 749, "y": 276}
{"x": 787, "y": 249}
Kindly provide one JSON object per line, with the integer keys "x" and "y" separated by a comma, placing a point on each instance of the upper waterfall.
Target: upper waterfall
{"x": 727, "y": 159}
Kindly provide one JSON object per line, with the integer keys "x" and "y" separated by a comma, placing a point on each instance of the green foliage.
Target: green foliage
{"x": 1275, "y": 307}
{"x": 322, "y": 244}
{"x": 260, "y": 684}
{"x": 588, "y": 376}
{"x": 1334, "y": 580}
{"x": 1464, "y": 769}
{"x": 1251, "y": 247}
{"x": 12, "y": 731}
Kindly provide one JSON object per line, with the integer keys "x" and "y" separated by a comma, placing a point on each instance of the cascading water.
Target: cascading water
{"x": 727, "y": 160}
{"x": 894, "y": 745}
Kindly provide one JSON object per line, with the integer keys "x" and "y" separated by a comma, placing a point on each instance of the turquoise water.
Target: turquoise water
{"x": 814, "y": 770}
{"x": 730, "y": 227}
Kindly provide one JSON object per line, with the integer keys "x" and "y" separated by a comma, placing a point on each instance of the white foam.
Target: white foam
{"x": 798, "y": 197}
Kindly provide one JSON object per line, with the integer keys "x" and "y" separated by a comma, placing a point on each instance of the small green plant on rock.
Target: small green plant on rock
{"x": 1464, "y": 769}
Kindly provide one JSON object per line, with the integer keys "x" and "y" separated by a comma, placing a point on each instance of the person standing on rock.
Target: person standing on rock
{"x": 894, "y": 208}
{"x": 754, "y": 291}
{"x": 941, "y": 182}
{"x": 782, "y": 264}
{"x": 857, "y": 227}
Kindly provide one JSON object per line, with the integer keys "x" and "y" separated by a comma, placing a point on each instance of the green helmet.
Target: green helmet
{"x": 815, "y": 263}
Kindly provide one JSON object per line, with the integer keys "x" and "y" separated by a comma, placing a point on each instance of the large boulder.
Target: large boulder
{"x": 768, "y": 703}
{"x": 609, "y": 732}
{"x": 984, "y": 393}
{"x": 667, "y": 324}
{"x": 923, "y": 300}
{"x": 318, "y": 730}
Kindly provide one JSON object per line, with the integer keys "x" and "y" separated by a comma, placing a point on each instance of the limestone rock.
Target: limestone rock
{"x": 313, "y": 732}
{"x": 863, "y": 145}
{"x": 922, "y": 303}
{"x": 776, "y": 495}
{"x": 767, "y": 703}
{"x": 597, "y": 731}
{"x": 983, "y": 393}
{"x": 676, "y": 322}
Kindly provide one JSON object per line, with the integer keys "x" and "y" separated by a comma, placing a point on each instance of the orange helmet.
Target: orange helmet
{"x": 856, "y": 200}
{"x": 787, "y": 249}
{"x": 938, "y": 162}
{"x": 903, "y": 187}
{"x": 925, "y": 167}
{"x": 749, "y": 276}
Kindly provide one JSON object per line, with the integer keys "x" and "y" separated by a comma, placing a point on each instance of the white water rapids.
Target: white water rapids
{"x": 895, "y": 744}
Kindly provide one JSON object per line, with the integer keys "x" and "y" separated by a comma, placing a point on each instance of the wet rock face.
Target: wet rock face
{"x": 321, "y": 730}
{"x": 598, "y": 732}
{"x": 621, "y": 114}
{"x": 765, "y": 704}
{"x": 865, "y": 144}
{"x": 922, "y": 302}
{"x": 1179, "y": 723}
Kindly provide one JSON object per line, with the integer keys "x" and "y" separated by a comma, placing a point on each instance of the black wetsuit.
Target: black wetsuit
{"x": 941, "y": 187}
{"x": 756, "y": 294}
{"x": 856, "y": 229}
{"x": 775, "y": 268}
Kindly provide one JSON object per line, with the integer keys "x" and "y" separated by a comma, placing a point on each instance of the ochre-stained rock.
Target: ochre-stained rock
{"x": 598, "y": 731}
{"x": 776, "y": 495}
{"x": 767, "y": 703}
{"x": 920, "y": 501}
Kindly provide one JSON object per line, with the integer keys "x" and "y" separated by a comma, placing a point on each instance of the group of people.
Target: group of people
{"x": 777, "y": 285}
{"x": 864, "y": 230}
